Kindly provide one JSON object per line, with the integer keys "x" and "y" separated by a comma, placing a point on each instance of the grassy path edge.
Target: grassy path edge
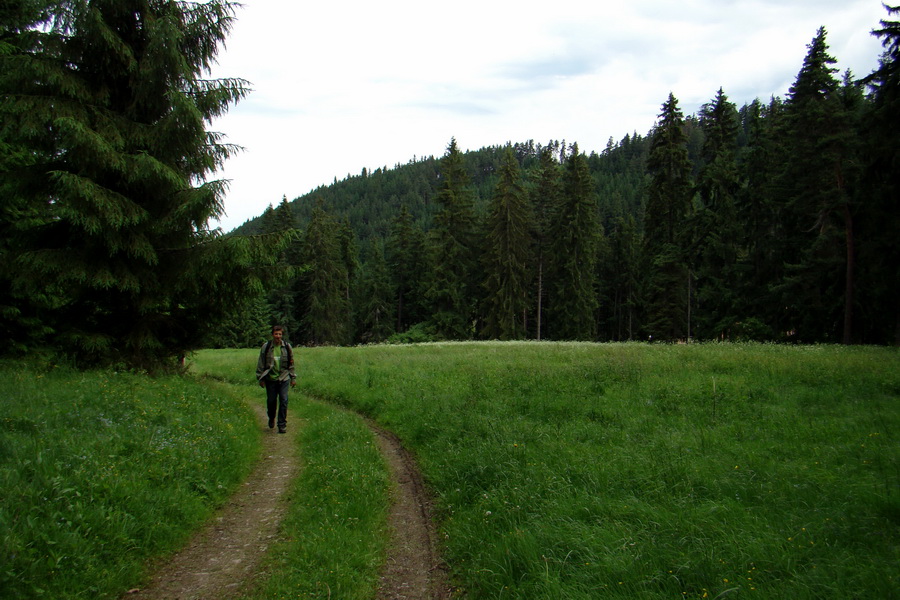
{"x": 223, "y": 556}
{"x": 413, "y": 568}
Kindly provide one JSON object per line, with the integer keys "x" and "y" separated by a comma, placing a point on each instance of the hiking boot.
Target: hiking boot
{"x": 271, "y": 423}
{"x": 282, "y": 430}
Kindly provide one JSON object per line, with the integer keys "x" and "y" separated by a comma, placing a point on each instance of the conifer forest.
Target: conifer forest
{"x": 776, "y": 220}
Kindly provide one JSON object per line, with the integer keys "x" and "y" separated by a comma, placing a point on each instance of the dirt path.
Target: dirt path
{"x": 222, "y": 559}
{"x": 225, "y": 554}
{"x": 413, "y": 570}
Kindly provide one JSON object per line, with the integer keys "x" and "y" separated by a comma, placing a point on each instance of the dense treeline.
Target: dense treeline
{"x": 775, "y": 221}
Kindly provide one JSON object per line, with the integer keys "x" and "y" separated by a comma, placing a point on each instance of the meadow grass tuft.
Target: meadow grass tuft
{"x": 334, "y": 537}
{"x": 101, "y": 471}
{"x": 644, "y": 471}
{"x": 333, "y": 540}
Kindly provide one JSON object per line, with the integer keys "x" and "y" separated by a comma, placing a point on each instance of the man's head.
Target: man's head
{"x": 277, "y": 333}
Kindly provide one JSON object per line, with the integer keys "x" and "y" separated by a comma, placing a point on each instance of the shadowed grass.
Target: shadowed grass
{"x": 101, "y": 471}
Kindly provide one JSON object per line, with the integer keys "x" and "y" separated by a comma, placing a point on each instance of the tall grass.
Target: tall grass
{"x": 332, "y": 541}
{"x": 561, "y": 470}
{"x": 101, "y": 471}
{"x": 645, "y": 471}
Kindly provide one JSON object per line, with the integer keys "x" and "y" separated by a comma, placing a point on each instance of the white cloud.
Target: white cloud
{"x": 348, "y": 84}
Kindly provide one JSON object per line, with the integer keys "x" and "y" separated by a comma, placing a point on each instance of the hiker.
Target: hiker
{"x": 274, "y": 369}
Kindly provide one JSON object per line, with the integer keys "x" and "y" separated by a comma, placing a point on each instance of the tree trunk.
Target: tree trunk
{"x": 540, "y": 296}
{"x": 848, "y": 283}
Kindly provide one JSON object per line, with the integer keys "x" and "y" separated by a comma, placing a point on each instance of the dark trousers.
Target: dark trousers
{"x": 277, "y": 400}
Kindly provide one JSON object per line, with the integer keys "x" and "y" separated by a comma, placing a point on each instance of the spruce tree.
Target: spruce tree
{"x": 669, "y": 195}
{"x": 507, "y": 254}
{"x": 716, "y": 229}
{"x": 576, "y": 232}
{"x": 408, "y": 265}
{"x": 111, "y": 198}
{"x": 762, "y": 230}
{"x": 453, "y": 290}
{"x": 269, "y": 220}
{"x": 322, "y": 285}
{"x": 817, "y": 203}
{"x": 879, "y": 253}
{"x": 376, "y": 294}
{"x": 545, "y": 198}
{"x": 624, "y": 279}
{"x": 284, "y": 215}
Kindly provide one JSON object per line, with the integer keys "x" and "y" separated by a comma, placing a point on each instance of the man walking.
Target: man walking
{"x": 274, "y": 369}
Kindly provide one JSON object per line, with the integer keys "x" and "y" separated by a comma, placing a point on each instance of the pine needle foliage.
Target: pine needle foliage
{"x": 453, "y": 250}
{"x": 669, "y": 194}
{"x": 507, "y": 259}
{"x": 106, "y": 162}
{"x": 576, "y": 234}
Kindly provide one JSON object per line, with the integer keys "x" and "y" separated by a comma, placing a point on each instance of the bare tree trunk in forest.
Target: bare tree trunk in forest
{"x": 540, "y": 295}
{"x": 848, "y": 285}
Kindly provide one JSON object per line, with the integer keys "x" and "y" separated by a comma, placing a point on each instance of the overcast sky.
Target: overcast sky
{"x": 341, "y": 85}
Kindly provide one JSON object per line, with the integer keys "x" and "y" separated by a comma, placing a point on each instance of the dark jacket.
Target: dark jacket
{"x": 267, "y": 361}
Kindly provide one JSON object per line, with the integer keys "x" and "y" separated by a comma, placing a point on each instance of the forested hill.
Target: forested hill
{"x": 371, "y": 201}
{"x": 777, "y": 221}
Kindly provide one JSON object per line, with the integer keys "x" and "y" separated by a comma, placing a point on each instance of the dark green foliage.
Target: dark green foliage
{"x": 322, "y": 288}
{"x": 666, "y": 235}
{"x": 408, "y": 265}
{"x": 576, "y": 232}
{"x": 507, "y": 257}
{"x": 268, "y": 220}
{"x": 817, "y": 203}
{"x": 105, "y": 158}
{"x": 376, "y": 297}
{"x": 762, "y": 159}
{"x": 622, "y": 277}
{"x": 670, "y": 190}
{"x": 545, "y": 198}
{"x": 715, "y": 228}
{"x": 284, "y": 216}
{"x": 878, "y": 217}
{"x": 247, "y": 326}
{"x": 453, "y": 285}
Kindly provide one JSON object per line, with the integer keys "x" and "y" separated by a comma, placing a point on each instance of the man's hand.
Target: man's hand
{"x": 262, "y": 383}
{"x": 293, "y": 382}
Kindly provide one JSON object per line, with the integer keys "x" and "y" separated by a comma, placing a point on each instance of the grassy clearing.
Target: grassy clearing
{"x": 638, "y": 471}
{"x": 101, "y": 471}
{"x": 335, "y": 533}
{"x": 561, "y": 470}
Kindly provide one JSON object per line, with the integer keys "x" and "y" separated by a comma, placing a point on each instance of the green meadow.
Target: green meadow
{"x": 559, "y": 470}
{"x": 102, "y": 471}
{"x": 643, "y": 471}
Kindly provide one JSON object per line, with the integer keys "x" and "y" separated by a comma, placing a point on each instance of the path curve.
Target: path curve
{"x": 225, "y": 555}
{"x": 413, "y": 569}
{"x": 223, "y": 558}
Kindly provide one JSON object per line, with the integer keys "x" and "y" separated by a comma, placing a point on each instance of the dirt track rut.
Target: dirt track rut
{"x": 223, "y": 558}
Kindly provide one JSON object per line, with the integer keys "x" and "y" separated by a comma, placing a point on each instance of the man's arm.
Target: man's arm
{"x": 291, "y": 371}
{"x": 261, "y": 365}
